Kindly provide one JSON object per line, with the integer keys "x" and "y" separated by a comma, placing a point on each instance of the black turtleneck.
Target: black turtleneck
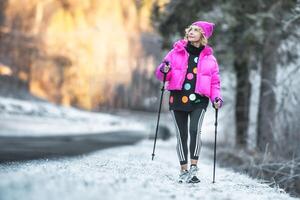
{"x": 192, "y": 49}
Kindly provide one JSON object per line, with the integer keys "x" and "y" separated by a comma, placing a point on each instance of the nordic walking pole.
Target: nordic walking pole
{"x": 215, "y": 147}
{"x": 161, "y": 97}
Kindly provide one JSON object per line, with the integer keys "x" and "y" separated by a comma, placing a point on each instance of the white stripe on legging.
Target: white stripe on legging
{"x": 198, "y": 138}
{"x": 196, "y": 145}
{"x": 199, "y": 133}
{"x": 179, "y": 142}
{"x": 178, "y": 146}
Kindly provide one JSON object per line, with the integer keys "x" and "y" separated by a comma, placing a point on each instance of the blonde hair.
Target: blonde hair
{"x": 203, "y": 39}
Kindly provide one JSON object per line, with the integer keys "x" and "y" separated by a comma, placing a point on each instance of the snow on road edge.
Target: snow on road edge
{"x": 25, "y": 118}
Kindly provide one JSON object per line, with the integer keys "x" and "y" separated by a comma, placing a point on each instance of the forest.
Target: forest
{"x": 257, "y": 43}
{"x": 101, "y": 55}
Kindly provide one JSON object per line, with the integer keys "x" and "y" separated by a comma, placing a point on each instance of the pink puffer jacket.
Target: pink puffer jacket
{"x": 207, "y": 78}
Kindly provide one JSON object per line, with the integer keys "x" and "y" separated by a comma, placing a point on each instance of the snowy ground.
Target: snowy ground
{"x": 29, "y": 118}
{"x": 112, "y": 173}
{"x": 126, "y": 173}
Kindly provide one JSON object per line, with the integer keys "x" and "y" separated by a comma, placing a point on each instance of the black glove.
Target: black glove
{"x": 163, "y": 67}
{"x": 217, "y": 101}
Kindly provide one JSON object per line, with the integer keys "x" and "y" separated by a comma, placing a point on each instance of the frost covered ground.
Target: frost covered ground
{"x": 30, "y": 118}
{"x": 127, "y": 173}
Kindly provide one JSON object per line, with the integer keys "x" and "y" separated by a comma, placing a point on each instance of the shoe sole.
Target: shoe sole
{"x": 193, "y": 181}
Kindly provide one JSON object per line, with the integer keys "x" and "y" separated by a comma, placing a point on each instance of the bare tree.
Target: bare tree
{"x": 271, "y": 23}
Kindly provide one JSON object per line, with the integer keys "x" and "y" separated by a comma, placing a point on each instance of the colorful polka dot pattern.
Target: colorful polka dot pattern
{"x": 196, "y": 59}
{"x": 192, "y": 97}
{"x": 184, "y": 99}
{"x": 190, "y": 76}
{"x": 187, "y": 96}
{"x": 187, "y": 86}
{"x": 195, "y": 70}
{"x": 171, "y": 99}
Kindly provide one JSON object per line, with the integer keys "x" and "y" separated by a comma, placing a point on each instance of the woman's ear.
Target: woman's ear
{"x": 202, "y": 34}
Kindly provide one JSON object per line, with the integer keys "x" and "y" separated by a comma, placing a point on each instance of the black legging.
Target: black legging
{"x": 181, "y": 123}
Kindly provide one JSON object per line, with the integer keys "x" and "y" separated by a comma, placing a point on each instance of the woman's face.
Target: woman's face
{"x": 194, "y": 34}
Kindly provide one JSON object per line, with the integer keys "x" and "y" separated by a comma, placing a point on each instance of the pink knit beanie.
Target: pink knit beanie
{"x": 207, "y": 27}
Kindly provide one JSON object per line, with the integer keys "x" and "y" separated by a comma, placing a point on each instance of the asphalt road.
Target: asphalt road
{"x": 34, "y": 147}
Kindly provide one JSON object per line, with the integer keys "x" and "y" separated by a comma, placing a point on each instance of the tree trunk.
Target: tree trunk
{"x": 267, "y": 105}
{"x": 243, "y": 93}
{"x": 243, "y": 86}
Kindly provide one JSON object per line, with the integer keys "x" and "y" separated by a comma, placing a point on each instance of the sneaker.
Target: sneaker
{"x": 193, "y": 174}
{"x": 183, "y": 176}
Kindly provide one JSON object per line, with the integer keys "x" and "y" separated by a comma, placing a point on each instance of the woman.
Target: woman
{"x": 192, "y": 77}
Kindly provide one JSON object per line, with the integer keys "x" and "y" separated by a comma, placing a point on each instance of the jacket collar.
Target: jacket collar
{"x": 181, "y": 44}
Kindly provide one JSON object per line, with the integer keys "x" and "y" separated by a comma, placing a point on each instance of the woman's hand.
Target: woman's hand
{"x": 217, "y": 103}
{"x": 166, "y": 67}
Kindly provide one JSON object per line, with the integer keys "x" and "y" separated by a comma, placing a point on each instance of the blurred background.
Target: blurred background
{"x": 100, "y": 56}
